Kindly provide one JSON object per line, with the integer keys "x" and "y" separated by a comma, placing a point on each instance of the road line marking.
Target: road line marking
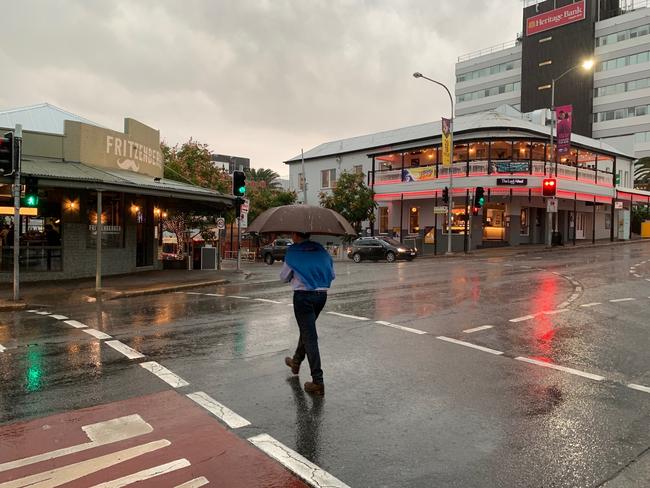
{"x": 76, "y": 324}
{"x": 236, "y": 296}
{"x": 616, "y": 300}
{"x": 219, "y": 410}
{"x": 639, "y": 387}
{"x": 521, "y": 319}
{"x": 355, "y": 317}
{"x": 293, "y": 461}
{"x": 145, "y": 474}
{"x": 468, "y": 344}
{"x": 124, "y": 349}
{"x": 592, "y": 304}
{"x": 59, "y": 317}
{"x": 553, "y": 312}
{"x": 214, "y": 295}
{"x": 164, "y": 374}
{"x": 31, "y": 311}
{"x": 401, "y": 327}
{"x": 193, "y": 293}
{"x": 42, "y": 313}
{"x": 647, "y": 279}
{"x": 267, "y": 300}
{"x": 72, "y": 472}
{"x": 476, "y": 329}
{"x": 195, "y": 483}
{"x": 97, "y": 334}
{"x": 2, "y": 348}
{"x": 637, "y": 275}
{"x": 561, "y": 368}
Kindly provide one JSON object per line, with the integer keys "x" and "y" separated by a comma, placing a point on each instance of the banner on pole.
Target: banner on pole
{"x": 446, "y": 142}
{"x": 564, "y": 117}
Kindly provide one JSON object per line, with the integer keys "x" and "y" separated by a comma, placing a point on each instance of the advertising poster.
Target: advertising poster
{"x": 563, "y": 116}
{"x": 446, "y": 142}
{"x": 418, "y": 174}
{"x": 558, "y": 17}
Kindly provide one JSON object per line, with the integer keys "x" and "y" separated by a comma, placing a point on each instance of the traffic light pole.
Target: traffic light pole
{"x": 18, "y": 147}
{"x": 238, "y": 208}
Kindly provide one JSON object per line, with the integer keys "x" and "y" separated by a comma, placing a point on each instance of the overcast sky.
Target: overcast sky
{"x": 253, "y": 78}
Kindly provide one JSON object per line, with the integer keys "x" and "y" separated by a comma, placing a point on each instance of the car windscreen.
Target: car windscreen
{"x": 392, "y": 242}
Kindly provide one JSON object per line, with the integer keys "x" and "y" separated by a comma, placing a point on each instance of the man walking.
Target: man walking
{"x": 310, "y": 270}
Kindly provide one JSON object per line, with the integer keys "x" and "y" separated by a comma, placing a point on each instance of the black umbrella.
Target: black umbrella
{"x": 306, "y": 219}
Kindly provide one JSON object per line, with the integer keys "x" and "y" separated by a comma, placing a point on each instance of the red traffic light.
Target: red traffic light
{"x": 549, "y": 187}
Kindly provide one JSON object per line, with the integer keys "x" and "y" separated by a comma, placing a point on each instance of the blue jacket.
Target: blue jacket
{"x": 311, "y": 263}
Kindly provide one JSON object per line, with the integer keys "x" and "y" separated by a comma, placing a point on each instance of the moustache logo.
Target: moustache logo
{"x": 128, "y": 164}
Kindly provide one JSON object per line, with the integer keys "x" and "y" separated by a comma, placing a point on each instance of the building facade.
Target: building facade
{"x": 507, "y": 156}
{"x": 88, "y": 175}
{"x": 610, "y": 103}
{"x": 231, "y": 163}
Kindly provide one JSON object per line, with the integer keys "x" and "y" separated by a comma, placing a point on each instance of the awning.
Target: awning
{"x": 57, "y": 174}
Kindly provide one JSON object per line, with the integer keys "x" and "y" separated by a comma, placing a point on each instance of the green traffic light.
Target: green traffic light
{"x": 31, "y": 200}
{"x": 242, "y": 190}
{"x": 481, "y": 201}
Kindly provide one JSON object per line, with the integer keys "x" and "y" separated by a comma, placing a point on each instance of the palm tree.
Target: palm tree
{"x": 267, "y": 176}
{"x": 642, "y": 172}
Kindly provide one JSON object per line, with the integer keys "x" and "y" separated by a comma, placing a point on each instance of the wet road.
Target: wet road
{"x": 522, "y": 370}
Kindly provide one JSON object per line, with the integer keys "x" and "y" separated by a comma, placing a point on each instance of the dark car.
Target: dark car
{"x": 276, "y": 250}
{"x": 376, "y": 248}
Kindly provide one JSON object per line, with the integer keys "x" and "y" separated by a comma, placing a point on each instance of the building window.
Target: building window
{"x": 622, "y": 87}
{"x": 357, "y": 169}
{"x": 621, "y": 113}
{"x": 112, "y": 220}
{"x": 624, "y": 35}
{"x": 524, "y": 221}
{"x": 623, "y": 61}
{"x": 489, "y": 92}
{"x": 458, "y": 217}
{"x": 414, "y": 220}
{"x": 328, "y": 178}
{"x": 489, "y": 71}
{"x": 383, "y": 220}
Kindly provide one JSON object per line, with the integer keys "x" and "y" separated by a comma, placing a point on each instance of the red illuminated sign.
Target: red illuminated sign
{"x": 549, "y": 187}
{"x": 556, "y": 18}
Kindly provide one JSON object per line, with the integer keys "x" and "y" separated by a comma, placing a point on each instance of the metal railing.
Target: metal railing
{"x": 490, "y": 50}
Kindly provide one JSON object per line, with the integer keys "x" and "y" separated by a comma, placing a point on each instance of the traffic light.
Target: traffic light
{"x": 239, "y": 183}
{"x": 6, "y": 154}
{"x": 445, "y": 195}
{"x": 549, "y": 187}
{"x": 479, "y": 197}
{"x": 31, "y": 192}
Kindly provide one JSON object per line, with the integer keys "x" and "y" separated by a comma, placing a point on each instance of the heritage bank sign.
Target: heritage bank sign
{"x": 136, "y": 150}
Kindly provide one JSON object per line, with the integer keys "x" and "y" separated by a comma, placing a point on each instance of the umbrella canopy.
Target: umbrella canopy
{"x": 301, "y": 218}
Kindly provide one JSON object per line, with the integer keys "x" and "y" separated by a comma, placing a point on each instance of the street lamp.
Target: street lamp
{"x": 451, "y": 165}
{"x": 586, "y": 65}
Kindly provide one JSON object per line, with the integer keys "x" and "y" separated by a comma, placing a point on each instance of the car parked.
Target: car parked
{"x": 275, "y": 251}
{"x": 376, "y": 248}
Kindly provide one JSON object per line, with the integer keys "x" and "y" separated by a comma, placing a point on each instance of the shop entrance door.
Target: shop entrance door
{"x": 144, "y": 235}
{"x": 580, "y": 225}
{"x": 494, "y": 227}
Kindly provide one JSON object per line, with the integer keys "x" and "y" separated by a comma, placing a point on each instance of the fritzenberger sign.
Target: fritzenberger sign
{"x": 136, "y": 150}
{"x": 558, "y": 17}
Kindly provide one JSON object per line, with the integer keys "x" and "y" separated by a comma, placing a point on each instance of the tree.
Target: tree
{"x": 352, "y": 199}
{"x": 264, "y": 177}
{"x": 262, "y": 198}
{"x": 191, "y": 162}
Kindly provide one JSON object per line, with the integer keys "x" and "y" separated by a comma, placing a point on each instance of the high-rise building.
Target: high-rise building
{"x": 612, "y": 102}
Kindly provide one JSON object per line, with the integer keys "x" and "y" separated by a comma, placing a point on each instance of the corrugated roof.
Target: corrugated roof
{"x": 430, "y": 130}
{"x": 40, "y": 118}
{"x": 123, "y": 180}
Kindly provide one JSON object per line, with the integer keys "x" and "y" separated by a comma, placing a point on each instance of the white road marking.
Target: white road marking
{"x": 616, "y": 300}
{"x": 145, "y": 474}
{"x": 195, "y": 483}
{"x": 267, "y": 300}
{"x": 293, "y": 461}
{"x": 2, "y": 348}
{"x": 476, "y": 329}
{"x": 31, "y": 311}
{"x": 214, "y": 295}
{"x": 124, "y": 349}
{"x": 467, "y": 344}
{"x": 72, "y": 472}
{"x": 76, "y": 324}
{"x": 193, "y": 293}
{"x": 42, "y": 313}
{"x": 97, "y": 334}
{"x": 401, "y": 327}
{"x": 521, "y": 319}
{"x": 553, "y": 312}
{"x": 647, "y": 279}
{"x": 100, "y": 434}
{"x": 164, "y": 374}
{"x": 236, "y": 296}
{"x": 592, "y": 304}
{"x": 348, "y": 316}
{"x": 637, "y": 275}
{"x": 59, "y": 317}
{"x": 561, "y": 368}
{"x": 220, "y": 411}
{"x": 639, "y": 387}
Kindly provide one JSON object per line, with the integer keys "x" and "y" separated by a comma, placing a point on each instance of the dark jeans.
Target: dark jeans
{"x": 307, "y": 305}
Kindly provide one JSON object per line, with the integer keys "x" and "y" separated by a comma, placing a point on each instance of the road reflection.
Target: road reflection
{"x": 308, "y": 421}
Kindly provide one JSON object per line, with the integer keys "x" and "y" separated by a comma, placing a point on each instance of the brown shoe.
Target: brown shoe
{"x": 295, "y": 367}
{"x": 315, "y": 388}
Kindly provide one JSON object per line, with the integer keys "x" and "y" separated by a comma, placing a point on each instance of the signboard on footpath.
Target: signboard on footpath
{"x": 558, "y": 17}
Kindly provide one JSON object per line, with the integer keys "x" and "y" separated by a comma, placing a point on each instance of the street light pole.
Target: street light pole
{"x": 451, "y": 157}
